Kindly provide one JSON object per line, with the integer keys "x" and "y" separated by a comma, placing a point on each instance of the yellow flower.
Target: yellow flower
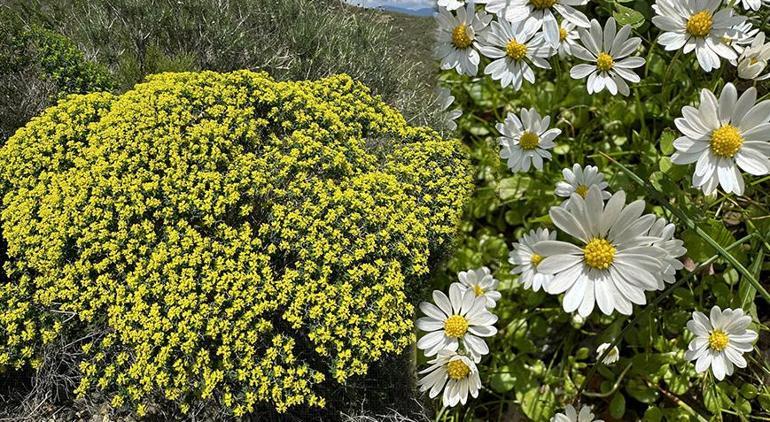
{"x": 219, "y": 228}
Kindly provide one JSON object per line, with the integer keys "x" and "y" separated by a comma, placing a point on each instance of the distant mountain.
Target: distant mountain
{"x": 411, "y": 8}
{"x": 426, "y": 11}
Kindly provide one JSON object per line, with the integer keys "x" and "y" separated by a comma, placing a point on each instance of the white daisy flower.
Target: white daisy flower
{"x": 456, "y": 374}
{"x": 524, "y": 141}
{"x": 445, "y": 100}
{"x": 698, "y": 25}
{"x": 739, "y": 37}
{"x": 579, "y": 180}
{"x": 456, "y": 38}
{"x": 459, "y": 317}
{"x": 673, "y": 249}
{"x": 751, "y": 4}
{"x": 608, "y": 52}
{"x": 615, "y": 262}
{"x": 526, "y": 260}
{"x": 613, "y": 355}
{"x": 753, "y": 60}
{"x": 451, "y": 4}
{"x": 512, "y": 47}
{"x": 568, "y": 36}
{"x": 723, "y": 135}
{"x": 541, "y": 14}
{"x": 720, "y": 341}
{"x": 571, "y": 415}
{"x": 482, "y": 283}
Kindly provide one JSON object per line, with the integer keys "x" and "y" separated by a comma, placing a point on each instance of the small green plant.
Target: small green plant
{"x": 62, "y": 62}
{"x": 37, "y": 67}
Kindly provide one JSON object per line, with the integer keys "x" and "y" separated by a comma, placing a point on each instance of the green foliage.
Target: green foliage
{"x": 38, "y": 66}
{"x": 61, "y": 61}
{"x": 543, "y": 358}
{"x": 221, "y": 240}
{"x": 290, "y": 39}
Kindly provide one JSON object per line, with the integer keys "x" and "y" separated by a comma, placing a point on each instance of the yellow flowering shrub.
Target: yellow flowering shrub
{"x": 221, "y": 237}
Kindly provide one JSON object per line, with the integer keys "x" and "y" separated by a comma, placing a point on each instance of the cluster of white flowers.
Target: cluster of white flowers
{"x": 615, "y": 253}
{"x": 455, "y": 328}
{"x": 722, "y": 136}
{"x": 526, "y": 33}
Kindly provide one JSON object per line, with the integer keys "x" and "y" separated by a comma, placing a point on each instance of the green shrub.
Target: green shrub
{"x": 64, "y": 64}
{"x": 38, "y": 66}
{"x": 221, "y": 239}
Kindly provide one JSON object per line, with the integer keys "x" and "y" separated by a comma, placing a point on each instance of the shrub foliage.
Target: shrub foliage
{"x": 36, "y": 67}
{"x": 220, "y": 238}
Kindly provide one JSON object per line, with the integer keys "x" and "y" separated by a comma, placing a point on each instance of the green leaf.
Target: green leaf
{"x": 665, "y": 164}
{"x": 618, "y": 406}
{"x": 503, "y": 380}
{"x": 513, "y": 187}
{"x": 749, "y": 391}
{"x": 653, "y": 414}
{"x": 677, "y": 383}
{"x": 764, "y": 400}
{"x": 698, "y": 249}
{"x": 743, "y": 406}
{"x": 712, "y": 399}
{"x": 538, "y": 405}
{"x": 628, "y": 16}
{"x": 747, "y": 292}
{"x": 641, "y": 392}
{"x": 667, "y": 142}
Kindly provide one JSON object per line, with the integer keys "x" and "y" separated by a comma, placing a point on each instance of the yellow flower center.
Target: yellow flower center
{"x": 515, "y": 50}
{"x": 535, "y": 259}
{"x": 726, "y": 141}
{"x": 582, "y": 190}
{"x": 604, "y": 62}
{"x": 460, "y": 37}
{"x": 700, "y": 24}
{"x": 543, "y": 4}
{"x": 455, "y": 326}
{"x": 599, "y": 253}
{"x": 457, "y": 369}
{"x": 562, "y": 33}
{"x": 529, "y": 141}
{"x": 478, "y": 290}
{"x": 718, "y": 340}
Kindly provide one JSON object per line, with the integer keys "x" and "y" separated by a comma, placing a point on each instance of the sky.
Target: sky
{"x": 407, "y": 4}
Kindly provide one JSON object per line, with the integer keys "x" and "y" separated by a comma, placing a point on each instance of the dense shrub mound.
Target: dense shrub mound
{"x": 221, "y": 238}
